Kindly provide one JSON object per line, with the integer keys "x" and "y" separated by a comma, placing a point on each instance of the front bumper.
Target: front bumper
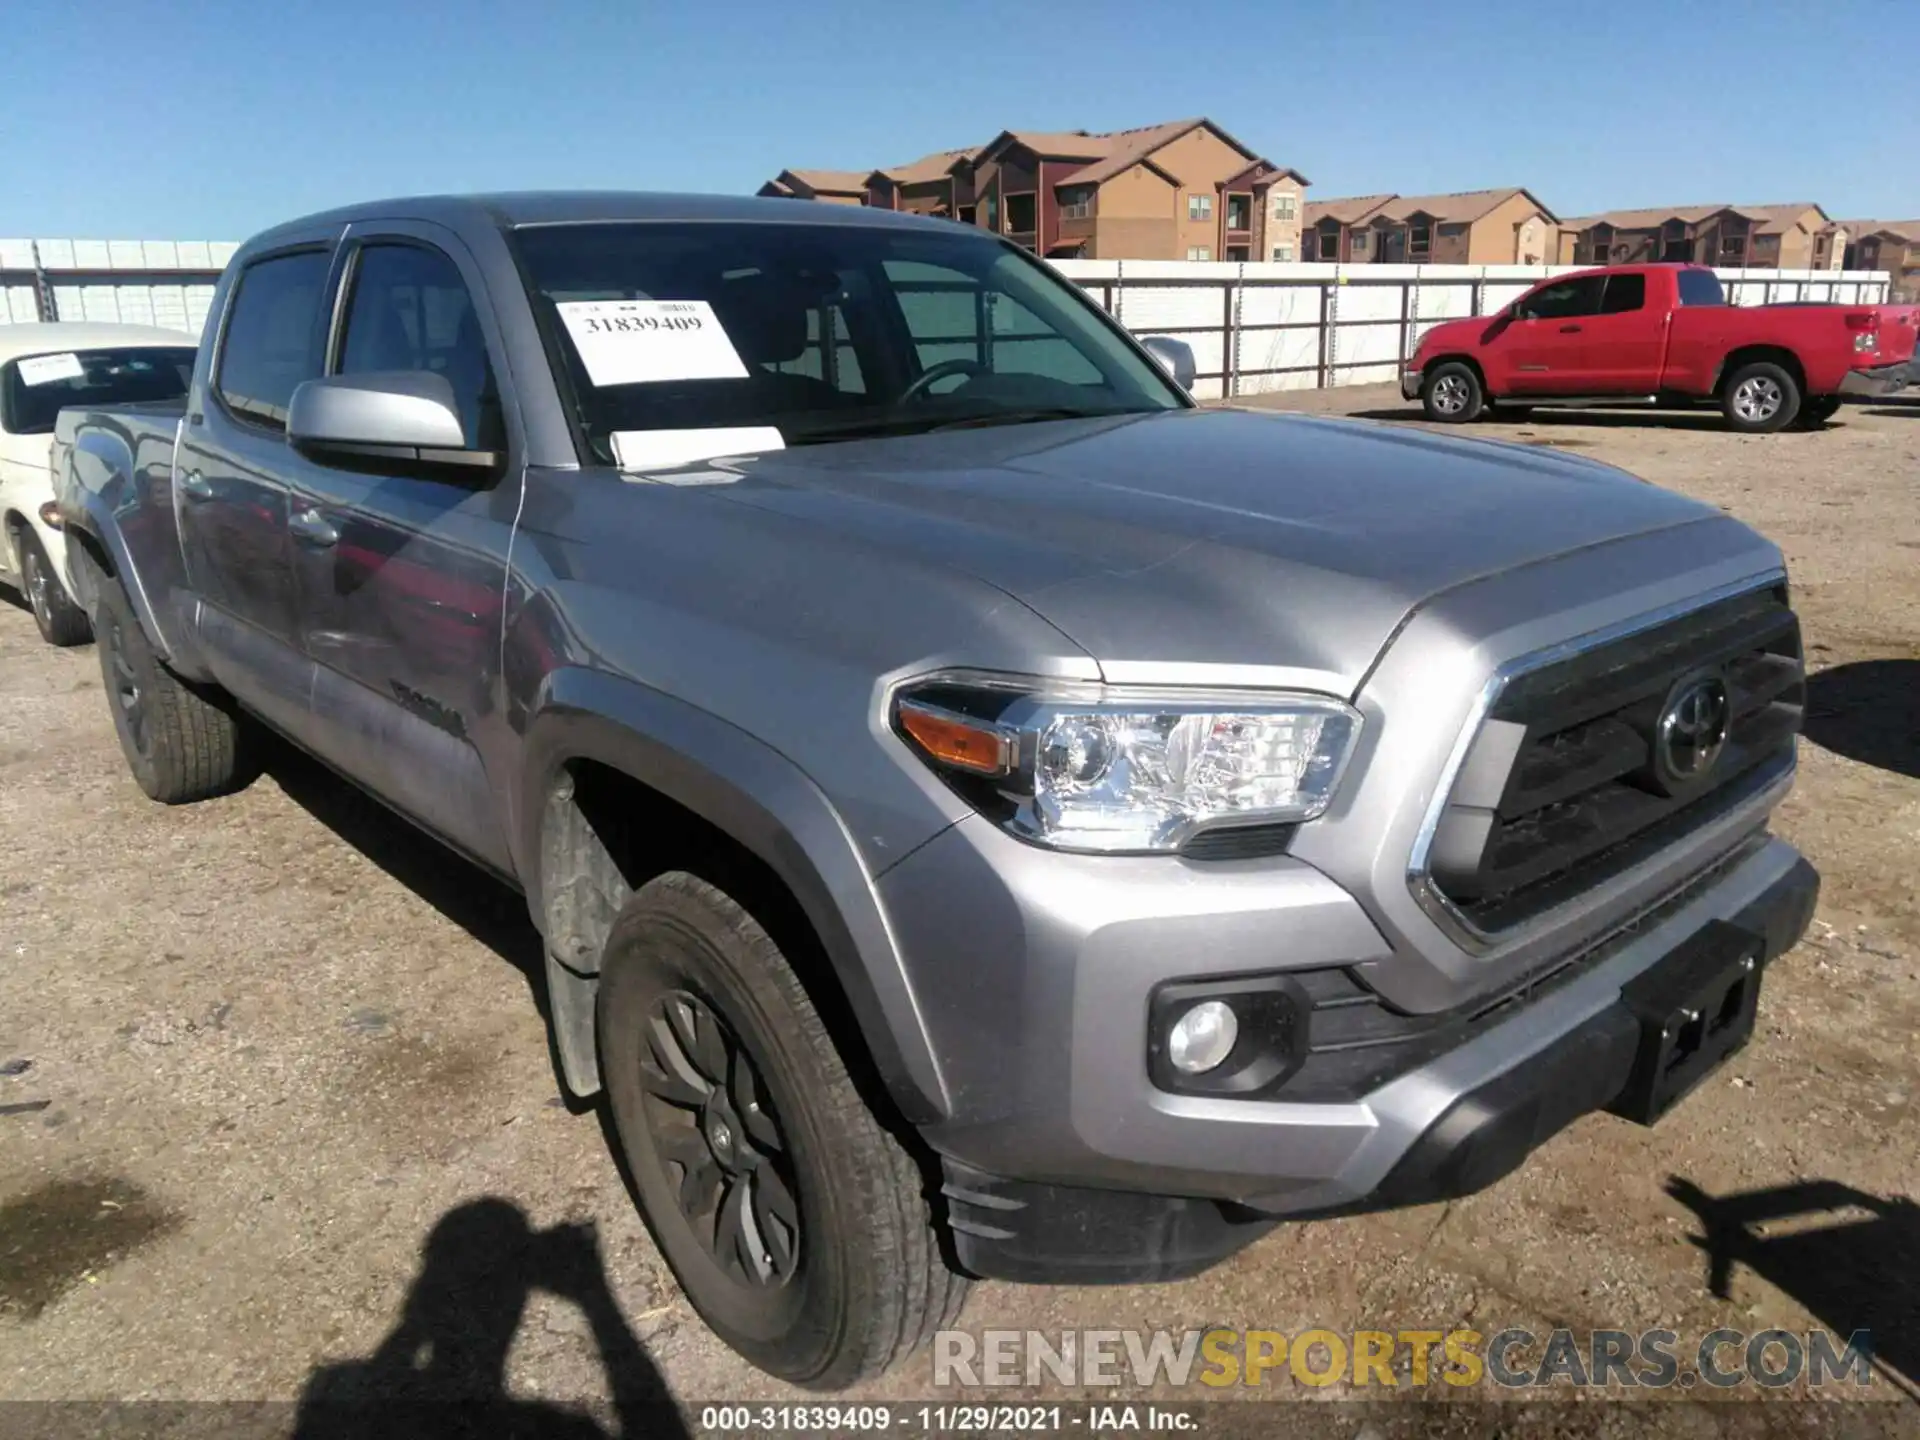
{"x": 1442, "y": 1131}
{"x": 1410, "y": 382}
{"x": 1880, "y": 380}
{"x": 1064, "y": 1162}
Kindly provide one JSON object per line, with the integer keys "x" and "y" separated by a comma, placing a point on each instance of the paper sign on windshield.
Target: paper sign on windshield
{"x": 633, "y": 342}
{"x": 663, "y": 449}
{"x": 45, "y": 369}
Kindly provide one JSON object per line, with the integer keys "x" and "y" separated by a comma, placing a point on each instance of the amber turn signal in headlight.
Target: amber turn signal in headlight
{"x": 977, "y": 746}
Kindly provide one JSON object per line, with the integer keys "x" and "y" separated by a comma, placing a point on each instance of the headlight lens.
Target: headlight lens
{"x": 1116, "y": 770}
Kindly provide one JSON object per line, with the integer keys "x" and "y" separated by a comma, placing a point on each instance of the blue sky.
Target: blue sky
{"x": 202, "y": 120}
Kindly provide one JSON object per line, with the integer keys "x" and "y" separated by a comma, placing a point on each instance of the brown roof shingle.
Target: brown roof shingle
{"x": 1771, "y": 218}
{"x": 928, "y": 167}
{"x": 1460, "y": 207}
{"x": 1907, "y": 230}
{"x": 837, "y": 181}
{"x": 1350, "y": 211}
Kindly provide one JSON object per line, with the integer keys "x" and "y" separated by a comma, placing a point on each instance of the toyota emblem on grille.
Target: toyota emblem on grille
{"x": 1693, "y": 728}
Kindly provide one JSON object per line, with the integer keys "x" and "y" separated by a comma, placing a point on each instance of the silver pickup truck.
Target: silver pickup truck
{"x": 988, "y": 816}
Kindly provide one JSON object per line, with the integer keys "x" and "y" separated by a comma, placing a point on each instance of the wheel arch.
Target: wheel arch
{"x": 1746, "y": 355}
{"x": 616, "y": 778}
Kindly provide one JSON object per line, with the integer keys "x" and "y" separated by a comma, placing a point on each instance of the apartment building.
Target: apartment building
{"x": 1468, "y": 227}
{"x": 1184, "y": 190}
{"x": 1788, "y": 237}
{"x": 834, "y": 187}
{"x": 937, "y": 184}
{"x": 1890, "y": 245}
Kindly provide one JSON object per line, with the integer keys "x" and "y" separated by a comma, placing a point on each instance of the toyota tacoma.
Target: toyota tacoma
{"x": 987, "y": 815}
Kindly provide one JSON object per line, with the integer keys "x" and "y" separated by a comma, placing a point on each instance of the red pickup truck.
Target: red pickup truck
{"x": 1660, "y": 335}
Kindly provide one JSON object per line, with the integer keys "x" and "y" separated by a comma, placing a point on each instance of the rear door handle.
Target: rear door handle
{"x": 310, "y": 527}
{"x": 196, "y": 486}
{"x": 1569, "y": 329}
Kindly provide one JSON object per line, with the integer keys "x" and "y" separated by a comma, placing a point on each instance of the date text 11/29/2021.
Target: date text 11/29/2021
{"x": 943, "y": 1419}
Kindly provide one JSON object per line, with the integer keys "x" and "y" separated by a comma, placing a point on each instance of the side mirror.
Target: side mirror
{"x": 1175, "y": 357}
{"x": 400, "y": 419}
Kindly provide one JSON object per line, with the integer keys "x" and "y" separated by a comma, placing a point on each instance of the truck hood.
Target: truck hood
{"x": 1212, "y": 538}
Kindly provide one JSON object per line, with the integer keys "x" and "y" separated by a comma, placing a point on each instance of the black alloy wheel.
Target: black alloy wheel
{"x": 710, "y": 1116}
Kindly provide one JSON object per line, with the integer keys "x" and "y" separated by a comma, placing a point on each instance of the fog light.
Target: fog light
{"x": 1203, "y": 1037}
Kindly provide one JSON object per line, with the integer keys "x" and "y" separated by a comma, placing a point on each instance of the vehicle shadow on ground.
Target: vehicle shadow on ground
{"x": 1899, "y": 407}
{"x": 1868, "y": 711}
{"x": 441, "y": 1371}
{"x": 488, "y": 909}
{"x": 1851, "y": 1258}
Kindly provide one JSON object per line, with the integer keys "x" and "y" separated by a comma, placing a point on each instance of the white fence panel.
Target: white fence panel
{"x": 1274, "y": 312}
{"x": 132, "y": 282}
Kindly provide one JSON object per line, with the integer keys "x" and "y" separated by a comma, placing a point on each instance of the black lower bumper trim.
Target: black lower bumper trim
{"x": 1041, "y": 1234}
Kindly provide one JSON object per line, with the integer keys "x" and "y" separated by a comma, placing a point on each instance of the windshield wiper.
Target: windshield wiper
{"x": 1029, "y": 417}
{"x": 863, "y": 429}
{"x": 926, "y": 424}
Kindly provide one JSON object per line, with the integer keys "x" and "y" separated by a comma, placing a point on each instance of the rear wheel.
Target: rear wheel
{"x": 797, "y": 1225}
{"x": 1452, "y": 394}
{"x": 1760, "y": 398}
{"x": 178, "y": 743}
{"x": 61, "y": 621}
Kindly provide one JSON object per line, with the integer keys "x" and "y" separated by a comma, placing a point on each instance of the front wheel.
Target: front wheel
{"x": 61, "y": 622}
{"x": 1452, "y": 394}
{"x": 797, "y": 1225}
{"x": 1760, "y": 398}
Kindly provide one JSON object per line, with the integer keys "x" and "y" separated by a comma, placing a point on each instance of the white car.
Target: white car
{"x": 42, "y": 368}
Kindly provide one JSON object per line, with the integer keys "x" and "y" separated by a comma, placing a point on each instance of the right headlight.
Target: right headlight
{"x": 1082, "y": 767}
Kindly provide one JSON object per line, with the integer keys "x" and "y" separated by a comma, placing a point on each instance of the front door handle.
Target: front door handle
{"x": 310, "y": 527}
{"x": 1569, "y": 329}
{"x": 196, "y": 486}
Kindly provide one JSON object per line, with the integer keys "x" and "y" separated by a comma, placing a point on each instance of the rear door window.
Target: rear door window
{"x": 273, "y": 336}
{"x": 1624, "y": 293}
{"x": 1701, "y": 287}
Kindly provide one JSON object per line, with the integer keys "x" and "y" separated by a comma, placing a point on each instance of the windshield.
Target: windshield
{"x": 805, "y": 334}
{"x": 38, "y": 386}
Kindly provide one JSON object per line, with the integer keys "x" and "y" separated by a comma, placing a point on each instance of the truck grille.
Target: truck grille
{"x": 1587, "y": 765}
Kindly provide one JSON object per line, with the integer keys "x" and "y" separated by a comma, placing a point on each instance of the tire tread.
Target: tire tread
{"x": 903, "y": 1288}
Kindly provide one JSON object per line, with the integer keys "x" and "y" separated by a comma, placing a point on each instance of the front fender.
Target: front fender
{"x": 764, "y": 802}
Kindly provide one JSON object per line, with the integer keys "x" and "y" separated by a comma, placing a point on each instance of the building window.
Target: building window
{"x": 1200, "y": 252}
{"x": 1733, "y": 248}
{"x": 1076, "y": 204}
{"x": 1020, "y": 214}
{"x": 1358, "y": 244}
{"x": 1283, "y": 253}
{"x": 1419, "y": 241}
{"x": 1199, "y": 207}
{"x": 1286, "y": 206}
{"x": 1239, "y": 212}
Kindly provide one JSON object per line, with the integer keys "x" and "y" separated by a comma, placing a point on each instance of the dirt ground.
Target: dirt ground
{"x": 299, "y": 1115}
